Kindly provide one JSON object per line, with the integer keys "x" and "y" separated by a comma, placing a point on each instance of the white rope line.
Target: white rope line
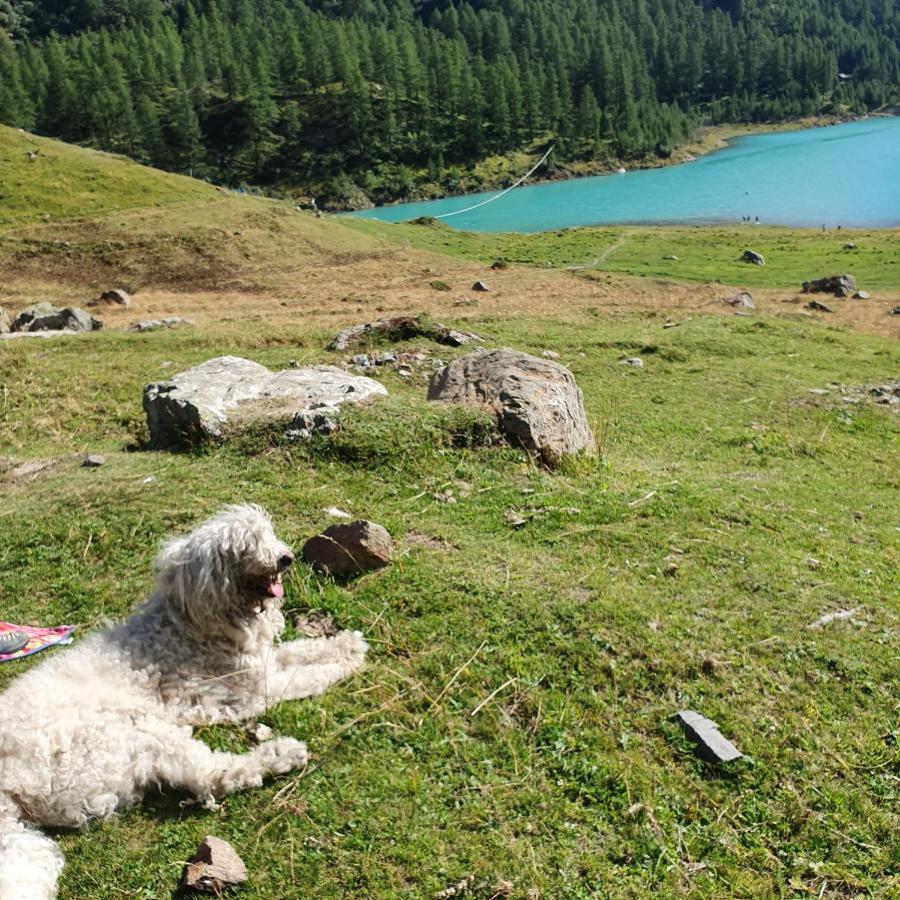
{"x": 459, "y": 212}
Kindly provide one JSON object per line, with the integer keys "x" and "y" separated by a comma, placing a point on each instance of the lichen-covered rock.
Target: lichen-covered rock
{"x": 537, "y": 402}
{"x": 347, "y": 550}
{"x": 219, "y": 396}
{"x": 47, "y": 317}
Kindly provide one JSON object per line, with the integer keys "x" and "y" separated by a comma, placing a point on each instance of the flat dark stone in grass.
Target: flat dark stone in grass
{"x": 817, "y": 307}
{"x": 711, "y": 745}
{"x": 344, "y": 551}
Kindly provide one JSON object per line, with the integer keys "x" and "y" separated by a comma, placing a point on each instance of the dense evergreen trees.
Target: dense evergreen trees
{"x": 287, "y": 92}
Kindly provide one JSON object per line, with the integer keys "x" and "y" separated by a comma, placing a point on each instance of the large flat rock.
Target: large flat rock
{"x": 217, "y": 397}
{"x": 537, "y": 401}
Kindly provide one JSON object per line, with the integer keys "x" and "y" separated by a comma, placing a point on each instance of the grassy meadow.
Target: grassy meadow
{"x": 512, "y": 730}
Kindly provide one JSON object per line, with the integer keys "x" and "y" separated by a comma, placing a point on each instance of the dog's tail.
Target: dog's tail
{"x": 30, "y": 862}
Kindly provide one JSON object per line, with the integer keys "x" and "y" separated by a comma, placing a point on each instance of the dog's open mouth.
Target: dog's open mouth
{"x": 271, "y": 586}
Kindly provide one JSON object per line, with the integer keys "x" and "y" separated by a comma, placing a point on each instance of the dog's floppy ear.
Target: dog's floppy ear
{"x": 193, "y": 577}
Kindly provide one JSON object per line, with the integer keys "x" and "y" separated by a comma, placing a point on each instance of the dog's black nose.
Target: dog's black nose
{"x": 284, "y": 561}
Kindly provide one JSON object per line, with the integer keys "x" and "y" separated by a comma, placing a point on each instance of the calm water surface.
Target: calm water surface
{"x": 841, "y": 175}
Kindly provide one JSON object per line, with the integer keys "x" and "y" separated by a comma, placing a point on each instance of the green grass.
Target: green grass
{"x": 43, "y": 179}
{"x": 777, "y": 506}
{"x": 704, "y": 254}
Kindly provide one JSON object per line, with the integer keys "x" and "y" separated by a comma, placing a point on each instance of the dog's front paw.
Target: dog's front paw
{"x": 282, "y": 755}
{"x": 352, "y": 646}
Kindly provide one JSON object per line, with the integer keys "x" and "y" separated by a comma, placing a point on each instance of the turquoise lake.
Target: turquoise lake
{"x": 845, "y": 175}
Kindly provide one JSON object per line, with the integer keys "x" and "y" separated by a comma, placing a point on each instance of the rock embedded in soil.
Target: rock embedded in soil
{"x": 115, "y": 297}
{"x": 634, "y": 361}
{"x": 742, "y": 299}
{"x": 818, "y": 307}
{"x": 711, "y": 745}
{"x": 344, "y": 551}
{"x": 222, "y": 395}
{"x": 154, "y": 324}
{"x": 93, "y": 461}
{"x": 537, "y": 402}
{"x": 47, "y": 317}
{"x": 862, "y": 295}
{"x": 839, "y": 285}
{"x": 480, "y": 286}
{"x": 214, "y": 867}
{"x": 400, "y": 328}
{"x": 751, "y": 256}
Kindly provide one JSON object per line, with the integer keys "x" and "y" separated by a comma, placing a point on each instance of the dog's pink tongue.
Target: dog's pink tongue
{"x": 276, "y": 589}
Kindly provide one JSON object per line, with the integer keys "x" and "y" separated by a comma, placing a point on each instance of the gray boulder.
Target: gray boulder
{"x": 400, "y": 328}
{"x": 47, "y": 317}
{"x": 4, "y": 321}
{"x": 751, "y": 256}
{"x": 223, "y": 394}
{"x": 344, "y": 551}
{"x": 839, "y": 285}
{"x": 537, "y": 402}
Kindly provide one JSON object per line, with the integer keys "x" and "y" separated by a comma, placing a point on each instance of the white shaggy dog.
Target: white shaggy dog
{"x": 89, "y": 730}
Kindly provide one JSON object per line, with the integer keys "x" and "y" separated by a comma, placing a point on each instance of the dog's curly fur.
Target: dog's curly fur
{"x": 91, "y": 729}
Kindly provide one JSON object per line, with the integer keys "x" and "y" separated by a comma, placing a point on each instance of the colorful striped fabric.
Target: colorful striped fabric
{"x": 39, "y": 639}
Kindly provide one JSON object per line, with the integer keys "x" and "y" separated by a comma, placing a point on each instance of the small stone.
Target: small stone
{"x": 711, "y": 745}
{"x": 818, "y": 307}
{"x": 751, "y": 256}
{"x": 819, "y": 392}
{"x": 838, "y": 616}
{"x": 499, "y": 264}
{"x": 550, "y": 354}
{"x": 849, "y": 245}
{"x": 862, "y": 295}
{"x": 115, "y": 297}
{"x": 670, "y": 570}
{"x": 260, "y": 732}
{"x": 480, "y": 286}
{"x": 347, "y": 550}
{"x": 336, "y": 513}
{"x": 742, "y": 299}
{"x": 634, "y": 361}
{"x": 672, "y": 257}
{"x": 362, "y": 360}
{"x": 670, "y": 325}
{"x": 514, "y": 518}
{"x": 93, "y": 461}
{"x": 214, "y": 867}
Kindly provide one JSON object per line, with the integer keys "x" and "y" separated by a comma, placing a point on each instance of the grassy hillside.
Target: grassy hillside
{"x": 513, "y": 723}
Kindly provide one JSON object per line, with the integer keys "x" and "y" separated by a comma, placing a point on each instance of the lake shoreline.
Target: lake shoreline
{"x": 706, "y": 139}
